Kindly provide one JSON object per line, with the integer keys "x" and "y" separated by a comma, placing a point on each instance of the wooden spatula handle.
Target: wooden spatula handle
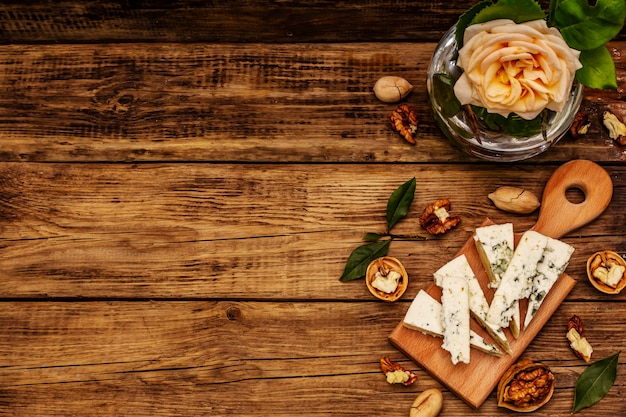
{"x": 559, "y": 216}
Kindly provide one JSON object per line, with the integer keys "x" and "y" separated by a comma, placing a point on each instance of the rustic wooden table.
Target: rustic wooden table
{"x": 181, "y": 185}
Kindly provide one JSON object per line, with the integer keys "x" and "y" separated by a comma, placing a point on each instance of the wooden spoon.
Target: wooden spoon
{"x": 559, "y": 216}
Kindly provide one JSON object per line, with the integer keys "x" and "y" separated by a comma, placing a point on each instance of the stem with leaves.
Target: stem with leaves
{"x": 378, "y": 243}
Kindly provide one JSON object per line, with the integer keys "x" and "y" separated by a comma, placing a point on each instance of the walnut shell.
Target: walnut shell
{"x": 525, "y": 386}
{"x": 604, "y": 259}
{"x": 387, "y": 263}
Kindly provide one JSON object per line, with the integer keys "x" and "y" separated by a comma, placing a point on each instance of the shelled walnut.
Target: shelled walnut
{"x": 616, "y": 128}
{"x": 436, "y": 219}
{"x": 395, "y": 373}
{"x": 525, "y": 386}
{"x": 607, "y": 271}
{"x": 577, "y": 339}
{"x": 404, "y": 121}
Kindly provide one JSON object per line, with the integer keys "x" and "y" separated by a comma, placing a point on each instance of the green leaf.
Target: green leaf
{"x": 598, "y": 69}
{"x": 513, "y": 125}
{"x": 466, "y": 18}
{"x": 519, "y": 11}
{"x": 443, "y": 89}
{"x": 373, "y": 237}
{"x": 593, "y": 384}
{"x": 399, "y": 202}
{"x": 361, "y": 257}
{"x": 586, "y": 26}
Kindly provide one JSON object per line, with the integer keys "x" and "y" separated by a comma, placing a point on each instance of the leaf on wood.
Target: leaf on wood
{"x": 360, "y": 258}
{"x": 373, "y": 237}
{"x": 593, "y": 384}
{"x": 399, "y": 202}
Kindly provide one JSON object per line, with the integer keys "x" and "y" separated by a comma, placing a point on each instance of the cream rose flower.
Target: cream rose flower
{"x": 520, "y": 68}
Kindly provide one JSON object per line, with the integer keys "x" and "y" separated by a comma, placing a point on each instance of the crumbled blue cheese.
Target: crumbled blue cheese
{"x": 424, "y": 315}
{"x": 460, "y": 267}
{"x": 555, "y": 258}
{"x": 455, "y": 318}
{"x": 495, "y": 245}
{"x": 517, "y": 279}
{"x": 386, "y": 283}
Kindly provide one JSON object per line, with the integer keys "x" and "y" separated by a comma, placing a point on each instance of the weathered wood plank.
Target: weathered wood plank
{"x": 230, "y": 21}
{"x": 233, "y": 358}
{"x": 226, "y": 102}
{"x": 220, "y": 230}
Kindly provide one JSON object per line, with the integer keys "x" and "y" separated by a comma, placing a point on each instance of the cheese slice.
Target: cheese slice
{"x": 424, "y": 315}
{"x": 455, "y": 317}
{"x": 460, "y": 267}
{"x": 516, "y": 281}
{"x": 555, "y": 259}
{"x": 495, "y": 245}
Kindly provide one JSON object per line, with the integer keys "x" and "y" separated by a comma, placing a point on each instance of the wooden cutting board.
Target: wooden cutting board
{"x": 473, "y": 382}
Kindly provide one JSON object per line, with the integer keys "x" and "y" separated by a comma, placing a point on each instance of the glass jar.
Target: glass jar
{"x": 491, "y": 144}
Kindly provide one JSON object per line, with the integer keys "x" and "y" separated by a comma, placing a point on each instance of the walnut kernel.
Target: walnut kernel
{"x": 436, "y": 219}
{"x": 395, "y": 373}
{"x": 578, "y": 342}
{"x": 525, "y": 386}
{"x": 617, "y": 129}
{"x": 404, "y": 121}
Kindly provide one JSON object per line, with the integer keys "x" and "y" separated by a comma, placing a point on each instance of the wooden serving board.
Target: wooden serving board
{"x": 473, "y": 382}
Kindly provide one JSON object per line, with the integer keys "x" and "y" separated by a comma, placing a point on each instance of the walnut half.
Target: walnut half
{"x": 525, "y": 386}
{"x": 607, "y": 271}
{"x": 404, "y": 121}
{"x": 395, "y": 373}
{"x": 436, "y": 219}
{"x": 577, "y": 339}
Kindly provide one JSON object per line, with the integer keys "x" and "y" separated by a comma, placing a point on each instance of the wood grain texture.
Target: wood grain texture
{"x": 233, "y": 358}
{"x": 215, "y": 231}
{"x": 227, "y": 21}
{"x": 235, "y": 102}
{"x": 182, "y": 182}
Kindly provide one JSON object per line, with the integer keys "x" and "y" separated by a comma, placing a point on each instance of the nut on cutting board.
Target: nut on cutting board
{"x": 474, "y": 382}
{"x": 386, "y": 278}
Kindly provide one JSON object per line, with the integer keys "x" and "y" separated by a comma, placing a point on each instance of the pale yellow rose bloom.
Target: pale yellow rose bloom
{"x": 521, "y": 68}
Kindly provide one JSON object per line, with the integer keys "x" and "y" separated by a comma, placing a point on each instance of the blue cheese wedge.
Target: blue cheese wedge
{"x": 517, "y": 279}
{"x": 455, "y": 317}
{"x": 460, "y": 267}
{"x": 424, "y": 315}
{"x": 555, "y": 259}
{"x": 495, "y": 246}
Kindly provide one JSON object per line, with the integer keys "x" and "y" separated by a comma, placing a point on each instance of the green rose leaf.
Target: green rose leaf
{"x": 361, "y": 257}
{"x": 399, "y": 202}
{"x": 443, "y": 89}
{"x": 593, "y": 384}
{"x": 372, "y": 237}
{"x": 598, "y": 69}
{"x": 513, "y": 125}
{"x": 466, "y": 18}
{"x": 586, "y": 26}
{"x": 519, "y": 11}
